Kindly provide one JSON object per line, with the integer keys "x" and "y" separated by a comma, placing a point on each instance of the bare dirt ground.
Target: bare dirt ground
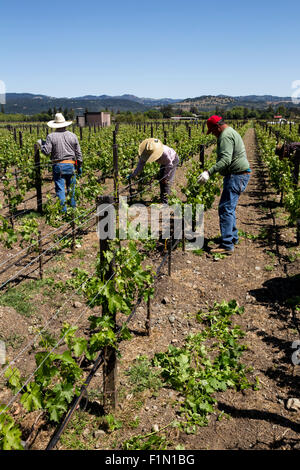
{"x": 260, "y": 275}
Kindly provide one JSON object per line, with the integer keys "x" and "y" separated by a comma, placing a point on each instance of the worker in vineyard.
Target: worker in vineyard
{"x": 66, "y": 158}
{"x": 152, "y": 150}
{"x": 233, "y": 165}
{"x": 285, "y": 150}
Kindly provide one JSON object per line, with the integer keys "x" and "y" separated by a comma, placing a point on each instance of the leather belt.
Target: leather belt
{"x": 65, "y": 161}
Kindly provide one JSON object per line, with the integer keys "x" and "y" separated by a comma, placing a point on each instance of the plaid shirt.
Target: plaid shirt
{"x": 62, "y": 146}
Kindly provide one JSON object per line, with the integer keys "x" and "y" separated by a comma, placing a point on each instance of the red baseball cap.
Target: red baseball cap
{"x": 212, "y": 121}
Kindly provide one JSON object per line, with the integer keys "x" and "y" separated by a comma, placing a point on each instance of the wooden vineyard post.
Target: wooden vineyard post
{"x": 38, "y": 179}
{"x": 298, "y": 232}
{"x": 165, "y": 137}
{"x": 109, "y": 354}
{"x": 16, "y": 179}
{"x": 40, "y": 254}
{"x": 130, "y": 191}
{"x": 170, "y": 244}
{"x": 201, "y": 152}
{"x": 170, "y": 257}
{"x": 296, "y": 182}
{"x": 183, "y": 233}
{"x": 20, "y": 139}
{"x": 295, "y": 171}
{"x": 11, "y": 215}
{"x": 73, "y": 232}
{"x": 116, "y": 166}
{"x": 148, "y": 319}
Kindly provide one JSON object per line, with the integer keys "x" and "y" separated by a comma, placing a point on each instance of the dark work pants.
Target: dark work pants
{"x": 168, "y": 176}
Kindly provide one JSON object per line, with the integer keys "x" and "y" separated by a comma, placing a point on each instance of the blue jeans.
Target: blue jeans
{"x": 233, "y": 186}
{"x": 64, "y": 176}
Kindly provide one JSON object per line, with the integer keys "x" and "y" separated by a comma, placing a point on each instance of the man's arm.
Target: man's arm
{"x": 139, "y": 168}
{"x": 78, "y": 153}
{"x": 46, "y": 147}
{"x": 225, "y": 153}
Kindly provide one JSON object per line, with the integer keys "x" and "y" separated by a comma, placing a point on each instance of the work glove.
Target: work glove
{"x": 204, "y": 177}
{"x": 40, "y": 143}
{"x": 79, "y": 170}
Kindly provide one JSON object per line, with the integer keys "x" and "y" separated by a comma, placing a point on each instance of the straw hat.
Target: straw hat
{"x": 151, "y": 149}
{"x": 59, "y": 121}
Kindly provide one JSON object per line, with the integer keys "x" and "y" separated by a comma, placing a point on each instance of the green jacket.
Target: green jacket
{"x": 231, "y": 154}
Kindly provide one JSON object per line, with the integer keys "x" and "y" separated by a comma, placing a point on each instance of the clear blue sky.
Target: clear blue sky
{"x": 166, "y": 48}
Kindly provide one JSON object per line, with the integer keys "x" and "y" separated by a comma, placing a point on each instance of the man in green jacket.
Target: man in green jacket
{"x": 233, "y": 165}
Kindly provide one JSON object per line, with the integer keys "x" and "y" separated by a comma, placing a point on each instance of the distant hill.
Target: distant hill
{"x": 29, "y": 103}
{"x": 209, "y": 102}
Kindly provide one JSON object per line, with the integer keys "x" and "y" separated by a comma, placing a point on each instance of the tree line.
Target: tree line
{"x": 164, "y": 112}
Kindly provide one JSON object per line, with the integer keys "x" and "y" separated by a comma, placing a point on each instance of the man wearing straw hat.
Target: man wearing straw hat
{"x": 152, "y": 150}
{"x": 64, "y": 148}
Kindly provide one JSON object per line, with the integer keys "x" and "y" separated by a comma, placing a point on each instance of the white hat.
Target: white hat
{"x": 151, "y": 149}
{"x": 59, "y": 121}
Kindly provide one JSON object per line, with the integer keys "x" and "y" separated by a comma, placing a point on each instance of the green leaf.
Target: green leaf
{"x": 32, "y": 399}
{"x": 79, "y": 346}
{"x": 14, "y": 378}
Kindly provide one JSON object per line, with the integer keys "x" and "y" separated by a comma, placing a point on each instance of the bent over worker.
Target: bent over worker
{"x": 233, "y": 165}
{"x": 151, "y": 150}
{"x": 285, "y": 150}
{"x": 64, "y": 148}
